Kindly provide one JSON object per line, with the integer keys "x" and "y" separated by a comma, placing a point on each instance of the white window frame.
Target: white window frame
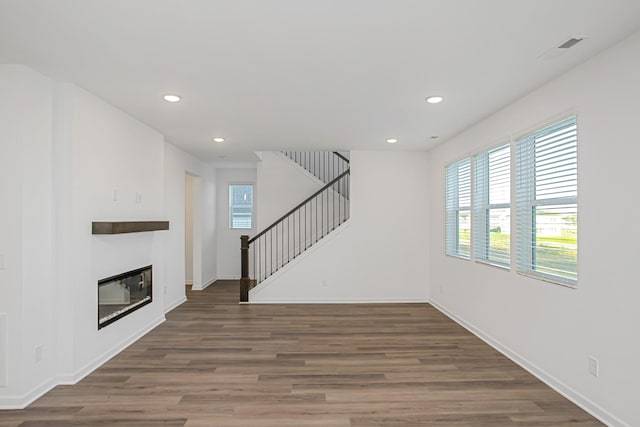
{"x": 453, "y": 208}
{"x": 231, "y": 206}
{"x": 482, "y": 206}
{"x": 526, "y": 204}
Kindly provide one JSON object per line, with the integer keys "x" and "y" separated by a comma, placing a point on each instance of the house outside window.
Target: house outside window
{"x": 240, "y": 206}
{"x": 491, "y": 211}
{"x": 547, "y": 202}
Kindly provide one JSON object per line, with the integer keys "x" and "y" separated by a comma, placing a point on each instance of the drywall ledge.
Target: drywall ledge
{"x": 119, "y": 227}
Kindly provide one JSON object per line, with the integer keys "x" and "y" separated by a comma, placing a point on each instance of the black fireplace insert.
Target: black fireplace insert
{"x": 123, "y": 294}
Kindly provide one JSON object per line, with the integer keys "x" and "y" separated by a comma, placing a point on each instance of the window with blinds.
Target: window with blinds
{"x": 458, "y": 209}
{"x": 491, "y": 205}
{"x": 546, "y": 202}
{"x": 240, "y": 206}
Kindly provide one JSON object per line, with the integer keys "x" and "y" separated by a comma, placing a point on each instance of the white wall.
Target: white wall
{"x": 26, "y": 233}
{"x": 70, "y": 152}
{"x": 68, "y": 159}
{"x": 177, "y": 165}
{"x": 228, "y": 256}
{"x": 283, "y": 184}
{"x": 380, "y": 254}
{"x": 116, "y": 173}
{"x": 549, "y": 328}
{"x": 188, "y": 228}
{"x": 323, "y": 165}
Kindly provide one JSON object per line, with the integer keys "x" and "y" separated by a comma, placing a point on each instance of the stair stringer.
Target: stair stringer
{"x": 319, "y": 167}
{"x": 310, "y": 175}
{"x": 275, "y": 193}
{"x": 346, "y": 266}
{"x": 279, "y": 178}
{"x": 259, "y": 294}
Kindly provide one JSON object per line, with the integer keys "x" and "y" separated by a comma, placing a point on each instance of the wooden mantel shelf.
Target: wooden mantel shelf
{"x": 119, "y": 227}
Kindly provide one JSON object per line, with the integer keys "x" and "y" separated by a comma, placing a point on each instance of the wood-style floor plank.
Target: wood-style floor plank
{"x": 217, "y": 363}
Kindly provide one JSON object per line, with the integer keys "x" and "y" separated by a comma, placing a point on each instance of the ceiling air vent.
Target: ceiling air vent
{"x": 559, "y": 50}
{"x": 571, "y": 42}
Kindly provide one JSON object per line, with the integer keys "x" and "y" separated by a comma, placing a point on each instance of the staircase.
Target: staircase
{"x": 304, "y": 225}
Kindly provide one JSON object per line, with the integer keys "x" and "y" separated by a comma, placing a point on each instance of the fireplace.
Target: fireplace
{"x": 123, "y": 294}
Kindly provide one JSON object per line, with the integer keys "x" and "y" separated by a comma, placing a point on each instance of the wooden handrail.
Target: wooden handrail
{"x": 341, "y": 156}
{"x": 304, "y": 202}
{"x": 341, "y": 187}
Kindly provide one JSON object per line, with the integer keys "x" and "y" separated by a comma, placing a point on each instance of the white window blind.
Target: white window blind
{"x": 491, "y": 200}
{"x": 240, "y": 206}
{"x": 458, "y": 209}
{"x": 546, "y": 200}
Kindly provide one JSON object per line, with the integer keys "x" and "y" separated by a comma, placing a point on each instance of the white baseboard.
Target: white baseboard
{"x": 559, "y": 386}
{"x": 8, "y": 403}
{"x": 100, "y": 360}
{"x": 188, "y": 282}
{"x": 204, "y": 286}
{"x": 210, "y": 282}
{"x": 174, "y": 304}
{"x": 21, "y": 402}
{"x": 390, "y": 300}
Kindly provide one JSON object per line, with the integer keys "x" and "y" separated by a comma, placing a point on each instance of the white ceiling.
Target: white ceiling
{"x": 307, "y": 74}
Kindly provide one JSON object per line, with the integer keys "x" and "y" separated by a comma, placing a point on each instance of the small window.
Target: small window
{"x": 241, "y": 206}
{"x": 458, "y": 207}
{"x": 491, "y": 206}
{"x": 547, "y": 202}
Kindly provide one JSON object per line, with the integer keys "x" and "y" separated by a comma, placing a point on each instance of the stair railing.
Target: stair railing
{"x": 324, "y": 165}
{"x": 293, "y": 233}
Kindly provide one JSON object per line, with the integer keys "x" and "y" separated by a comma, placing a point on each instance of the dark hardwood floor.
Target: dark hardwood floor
{"x": 217, "y": 363}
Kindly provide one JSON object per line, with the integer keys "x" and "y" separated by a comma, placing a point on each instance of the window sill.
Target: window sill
{"x": 502, "y": 267}
{"x": 459, "y": 257}
{"x": 550, "y": 279}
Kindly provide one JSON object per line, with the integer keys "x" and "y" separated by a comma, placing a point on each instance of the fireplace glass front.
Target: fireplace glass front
{"x": 122, "y": 294}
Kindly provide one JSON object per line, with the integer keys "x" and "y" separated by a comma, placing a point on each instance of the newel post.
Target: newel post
{"x": 244, "y": 268}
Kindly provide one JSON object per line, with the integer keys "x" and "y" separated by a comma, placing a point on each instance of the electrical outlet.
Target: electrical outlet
{"x": 165, "y": 290}
{"x": 324, "y": 283}
{"x": 115, "y": 195}
{"x": 593, "y": 366}
{"x": 138, "y": 197}
{"x": 38, "y": 353}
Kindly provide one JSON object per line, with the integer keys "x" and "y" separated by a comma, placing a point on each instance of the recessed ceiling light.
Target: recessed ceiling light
{"x": 171, "y": 98}
{"x": 218, "y": 139}
{"x": 392, "y": 140}
{"x": 434, "y": 99}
